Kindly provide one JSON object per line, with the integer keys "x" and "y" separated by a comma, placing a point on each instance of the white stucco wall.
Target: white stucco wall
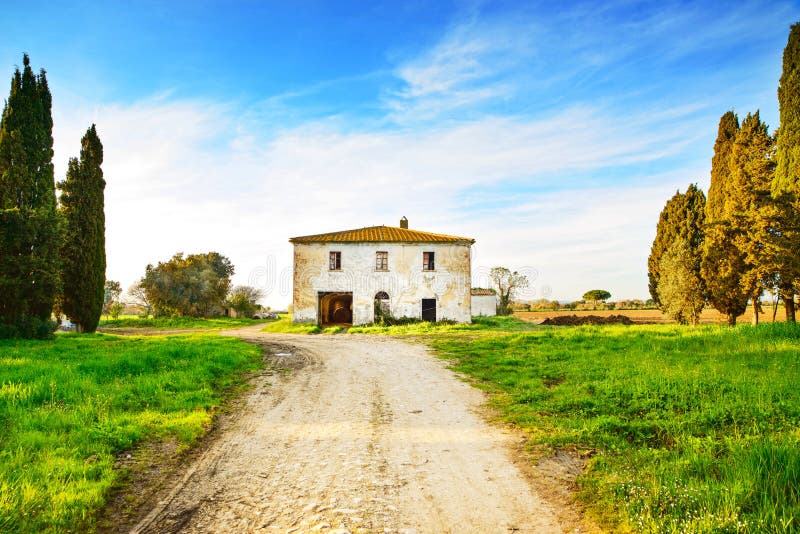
{"x": 405, "y": 282}
{"x": 485, "y": 305}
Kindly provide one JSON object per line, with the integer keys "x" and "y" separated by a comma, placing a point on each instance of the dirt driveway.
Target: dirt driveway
{"x": 361, "y": 434}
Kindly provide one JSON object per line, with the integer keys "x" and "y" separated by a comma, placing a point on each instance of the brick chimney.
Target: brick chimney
{"x": 404, "y": 222}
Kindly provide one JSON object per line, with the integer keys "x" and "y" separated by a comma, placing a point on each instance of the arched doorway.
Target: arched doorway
{"x": 335, "y": 308}
{"x": 382, "y": 308}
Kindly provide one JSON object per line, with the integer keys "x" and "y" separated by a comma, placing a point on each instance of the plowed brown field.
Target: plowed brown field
{"x": 710, "y": 315}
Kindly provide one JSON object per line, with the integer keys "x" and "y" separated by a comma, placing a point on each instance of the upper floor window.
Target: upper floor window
{"x": 381, "y": 261}
{"x": 428, "y": 263}
{"x": 335, "y": 261}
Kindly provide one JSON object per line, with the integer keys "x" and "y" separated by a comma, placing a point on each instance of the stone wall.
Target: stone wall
{"x": 485, "y": 305}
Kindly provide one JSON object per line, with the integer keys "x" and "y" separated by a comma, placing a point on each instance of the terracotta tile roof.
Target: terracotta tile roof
{"x": 482, "y": 291}
{"x": 381, "y": 234}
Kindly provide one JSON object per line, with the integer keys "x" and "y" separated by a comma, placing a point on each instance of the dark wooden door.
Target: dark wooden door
{"x": 429, "y": 310}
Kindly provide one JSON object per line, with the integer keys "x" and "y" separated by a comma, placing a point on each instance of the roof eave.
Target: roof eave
{"x": 305, "y": 241}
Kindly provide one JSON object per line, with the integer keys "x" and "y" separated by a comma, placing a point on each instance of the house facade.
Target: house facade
{"x": 355, "y": 276}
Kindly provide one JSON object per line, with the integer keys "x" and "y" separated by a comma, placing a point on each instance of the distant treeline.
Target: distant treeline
{"x": 554, "y": 305}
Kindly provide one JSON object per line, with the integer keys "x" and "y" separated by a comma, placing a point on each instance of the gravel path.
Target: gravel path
{"x": 359, "y": 434}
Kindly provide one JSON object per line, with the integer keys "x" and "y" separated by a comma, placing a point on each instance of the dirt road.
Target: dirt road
{"x": 361, "y": 434}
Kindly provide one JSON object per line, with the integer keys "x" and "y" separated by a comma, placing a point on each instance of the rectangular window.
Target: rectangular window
{"x": 335, "y": 261}
{"x": 427, "y": 262}
{"x": 381, "y": 261}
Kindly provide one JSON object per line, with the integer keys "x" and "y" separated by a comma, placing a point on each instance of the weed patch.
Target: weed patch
{"x": 177, "y": 323}
{"x": 415, "y": 328}
{"x": 285, "y": 325}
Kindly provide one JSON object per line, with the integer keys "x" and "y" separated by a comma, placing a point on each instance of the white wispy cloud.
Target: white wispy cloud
{"x": 468, "y": 66}
{"x": 184, "y": 176}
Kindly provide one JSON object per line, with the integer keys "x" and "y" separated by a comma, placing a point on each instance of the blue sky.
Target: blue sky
{"x": 551, "y": 133}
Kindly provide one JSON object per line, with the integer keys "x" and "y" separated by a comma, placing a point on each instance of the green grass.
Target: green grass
{"x": 689, "y": 429}
{"x": 69, "y": 405}
{"x": 479, "y": 324}
{"x": 508, "y": 324}
{"x": 285, "y": 325}
{"x": 175, "y": 323}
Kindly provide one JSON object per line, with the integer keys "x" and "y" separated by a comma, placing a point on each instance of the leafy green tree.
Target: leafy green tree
{"x": 683, "y": 217}
{"x": 786, "y": 184}
{"x": 597, "y": 295}
{"x": 137, "y": 295}
{"x": 244, "y": 299}
{"x": 507, "y": 284}
{"x": 111, "y": 293}
{"x": 84, "y": 250}
{"x": 680, "y": 287}
{"x": 30, "y": 232}
{"x": 196, "y": 285}
{"x": 115, "y": 309}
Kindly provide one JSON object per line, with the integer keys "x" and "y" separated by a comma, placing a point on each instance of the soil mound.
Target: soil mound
{"x": 574, "y": 320}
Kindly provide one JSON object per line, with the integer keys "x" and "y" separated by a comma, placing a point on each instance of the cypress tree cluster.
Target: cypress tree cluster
{"x": 84, "y": 250}
{"x": 752, "y": 217}
{"x": 31, "y": 228}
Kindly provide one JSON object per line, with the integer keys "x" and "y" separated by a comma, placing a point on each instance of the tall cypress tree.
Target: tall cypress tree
{"x": 717, "y": 194}
{"x": 750, "y": 208}
{"x": 788, "y": 139}
{"x": 84, "y": 250}
{"x": 29, "y": 225}
{"x": 683, "y": 217}
{"x": 786, "y": 184}
{"x": 723, "y": 263}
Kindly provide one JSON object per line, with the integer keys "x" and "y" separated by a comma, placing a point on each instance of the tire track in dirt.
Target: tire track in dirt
{"x": 355, "y": 434}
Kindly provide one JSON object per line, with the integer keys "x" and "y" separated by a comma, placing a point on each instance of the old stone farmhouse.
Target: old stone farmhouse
{"x": 354, "y": 276}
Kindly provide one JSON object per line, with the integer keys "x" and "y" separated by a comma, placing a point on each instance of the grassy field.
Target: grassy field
{"x": 68, "y": 406}
{"x": 687, "y": 429}
{"x": 175, "y": 323}
{"x": 708, "y": 316}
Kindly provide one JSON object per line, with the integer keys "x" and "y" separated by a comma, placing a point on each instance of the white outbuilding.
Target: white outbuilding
{"x": 484, "y": 302}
